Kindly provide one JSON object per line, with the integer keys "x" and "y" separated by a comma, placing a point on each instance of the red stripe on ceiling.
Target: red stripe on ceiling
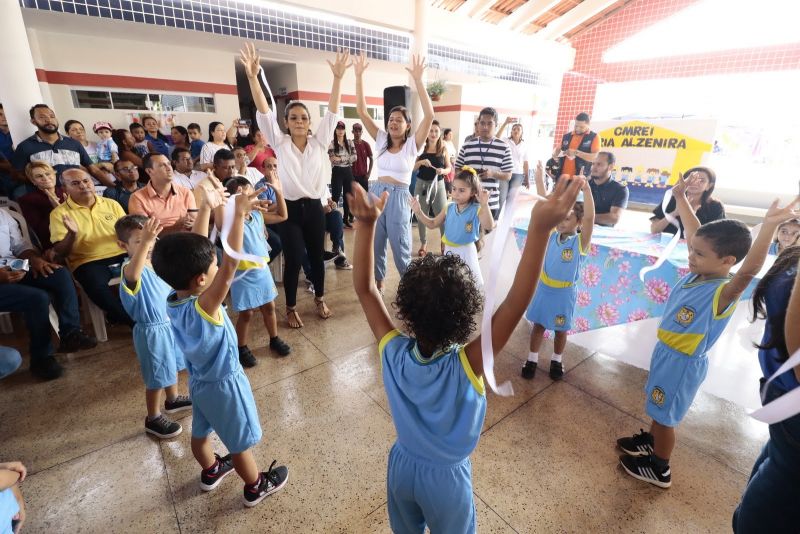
{"x": 132, "y": 82}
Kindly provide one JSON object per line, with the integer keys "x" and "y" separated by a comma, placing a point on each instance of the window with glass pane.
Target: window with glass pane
{"x": 172, "y": 103}
{"x": 91, "y": 99}
{"x": 129, "y": 100}
{"x": 199, "y": 104}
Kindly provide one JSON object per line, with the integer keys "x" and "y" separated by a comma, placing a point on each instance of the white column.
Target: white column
{"x": 19, "y": 88}
{"x": 419, "y": 46}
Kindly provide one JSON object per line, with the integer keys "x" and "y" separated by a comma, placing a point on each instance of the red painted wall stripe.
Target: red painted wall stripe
{"x": 132, "y": 82}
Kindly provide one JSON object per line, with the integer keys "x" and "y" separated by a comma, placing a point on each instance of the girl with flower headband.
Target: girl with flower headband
{"x": 463, "y": 219}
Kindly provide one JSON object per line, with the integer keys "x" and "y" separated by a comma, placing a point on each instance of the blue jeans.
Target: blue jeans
{"x": 770, "y": 500}
{"x": 334, "y": 225}
{"x": 394, "y": 227}
{"x": 31, "y": 297}
{"x": 10, "y": 360}
{"x": 507, "y": 186}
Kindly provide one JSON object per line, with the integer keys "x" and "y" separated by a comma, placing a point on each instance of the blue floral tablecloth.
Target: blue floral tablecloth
{"x": 609, "y": 289}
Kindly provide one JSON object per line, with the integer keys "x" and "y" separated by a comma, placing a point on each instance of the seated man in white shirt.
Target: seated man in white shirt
{"x": 185, "y": 174}
{"x": 243, "y": 168}
{"x": 28, "y": 289}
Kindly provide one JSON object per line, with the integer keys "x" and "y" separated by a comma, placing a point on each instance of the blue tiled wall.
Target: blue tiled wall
{"x": 266, "y": 23}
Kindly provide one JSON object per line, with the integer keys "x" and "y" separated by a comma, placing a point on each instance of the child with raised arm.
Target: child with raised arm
{"x": 144, "y": 297}
{"x": 556, "y": 295}
{"x": 695, "y": 315}
{"x": 222, "y": 397}
{"x": 12, "y": 505}
{"x": 254, "y": 289}
{"x": 434, "y": 381}
{"x": 463, "y": 219}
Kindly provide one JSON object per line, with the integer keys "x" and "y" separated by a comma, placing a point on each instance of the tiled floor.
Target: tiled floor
{"x": 545, "y": 463}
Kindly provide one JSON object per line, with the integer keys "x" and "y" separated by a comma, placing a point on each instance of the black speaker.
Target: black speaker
{"x": 397, "y": 95}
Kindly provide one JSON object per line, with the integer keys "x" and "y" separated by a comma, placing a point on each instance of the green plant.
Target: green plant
{"x": 436, "y": 88}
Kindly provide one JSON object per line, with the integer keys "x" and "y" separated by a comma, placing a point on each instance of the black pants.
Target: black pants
{"x": 303, "y": 231}
{"x": 274, "y": 241}
{"x": 93, "y": 277}
{"x": 363, "y": 181}
{"x": 342, "y": 179}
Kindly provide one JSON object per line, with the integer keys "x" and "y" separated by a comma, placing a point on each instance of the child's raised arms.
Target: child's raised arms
{"x": 546, "y": 214}
{"x": 367, "y": 212}
{"x": 587, "y": 224}
{"x": 149, "y": 235}
{"x": 485, "y": 214}
{"x": 278, "y": 212}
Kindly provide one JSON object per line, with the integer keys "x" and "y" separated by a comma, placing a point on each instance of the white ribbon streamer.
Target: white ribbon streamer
{"x": 269, "y": 91}
{"x": 665, "y": 254}
{"x": 227, "y": 225}
{"x": 503, "y": 228}
{"x": 785, "y": 406}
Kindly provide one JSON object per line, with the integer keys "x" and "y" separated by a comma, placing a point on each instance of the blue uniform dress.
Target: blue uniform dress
{"x": 773, "y": 248}
{"x": 9, "y": 507}
{"x": 556, "y": 293}
{"x": 461, "y": 231}
{"x": 689, "y": 328}
{"x": 438, "y": 406}
{"x": 222, "y": 399}
{"x": 253, "y": 286}
{"x": 146, "y": 303}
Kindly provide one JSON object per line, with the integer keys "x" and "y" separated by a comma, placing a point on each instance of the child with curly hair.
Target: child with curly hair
{"x": 433, "y": 377}
{"x": 554, "y": 301}
{"x": 463, "y": 219}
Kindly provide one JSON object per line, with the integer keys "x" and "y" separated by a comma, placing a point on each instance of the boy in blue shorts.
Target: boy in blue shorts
{"x": 433, "y": 380}
{"x": 144, "y": 297}
{"x": 699, "y": 307}
{"x": 222, "y": 397}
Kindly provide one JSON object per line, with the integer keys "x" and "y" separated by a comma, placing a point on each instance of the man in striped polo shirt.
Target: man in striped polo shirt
{"x": 490, "y": 156}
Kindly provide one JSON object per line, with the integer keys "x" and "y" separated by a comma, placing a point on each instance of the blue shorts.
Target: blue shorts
{"x": 159, "y": 357}
{"x": 228, "y": 408}
{"x": 552, "y": 307}
{"x": 254, "y": 289}
{"x": 422, "y": 492}
{"x": 672, "y": 384}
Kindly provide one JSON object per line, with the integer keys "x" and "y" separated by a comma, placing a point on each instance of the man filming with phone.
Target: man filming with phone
{"x": 578, "y": 148}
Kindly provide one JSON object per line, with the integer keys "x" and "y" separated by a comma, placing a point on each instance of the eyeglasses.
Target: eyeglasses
{"x": 127, "y": 169}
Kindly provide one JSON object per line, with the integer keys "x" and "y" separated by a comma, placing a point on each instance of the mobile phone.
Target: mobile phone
{"x": 15, "y": 264}
{"x": 244, "y": 123}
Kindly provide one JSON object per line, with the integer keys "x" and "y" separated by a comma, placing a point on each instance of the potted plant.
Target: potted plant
{"x": 436, "y": 89}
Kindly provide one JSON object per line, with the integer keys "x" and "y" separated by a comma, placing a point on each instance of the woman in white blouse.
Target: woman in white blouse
{"x": 519, "y": 155}
{"x": 396, "y": 154}
{"x": 303, "y": 173}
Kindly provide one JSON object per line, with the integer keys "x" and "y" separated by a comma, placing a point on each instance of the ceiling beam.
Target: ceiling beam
{"x": 475, "y": 8}
{"x": 526, "y": 13}
{"x": 575, "y": 16}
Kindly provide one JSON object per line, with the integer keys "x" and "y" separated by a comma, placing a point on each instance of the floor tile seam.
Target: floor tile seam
{"x": 169, "y": 486}
{"x": 78, "y": 457}
{"x": 489, "y": 506}
{"x": 288, "y": 376}
{"x": 518, "y": 408}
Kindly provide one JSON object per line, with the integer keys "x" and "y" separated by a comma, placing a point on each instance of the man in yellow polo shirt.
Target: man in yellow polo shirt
{"x": 82, "y": 231}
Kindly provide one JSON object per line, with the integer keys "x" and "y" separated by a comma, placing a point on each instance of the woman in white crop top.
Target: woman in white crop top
{"x": 303, "y": 173}
{"x": 396, "y": 152}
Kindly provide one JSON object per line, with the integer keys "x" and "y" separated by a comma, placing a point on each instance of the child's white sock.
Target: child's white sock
{"x": 533, "y": 357}
{"x": 556, "y": 358}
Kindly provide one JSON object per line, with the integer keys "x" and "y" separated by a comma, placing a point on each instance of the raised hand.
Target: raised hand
{"x": 366, "y": 209}
{"x": 360, "y": 63}
{"x": 70, "y": 224}
{"x": 250, "y": 60}
{"x": 679, "y": 189}
{"x": 417, "y": 66}
{"x": 546, "y": 214}
{"x": 483, "y": 197}
{"x": 245, "y": 203}
{"x": 213, "y": 197}
{"x": 776, "y": 214}
{"x": 341, "y": 63}
{"x": 151, "y": 229}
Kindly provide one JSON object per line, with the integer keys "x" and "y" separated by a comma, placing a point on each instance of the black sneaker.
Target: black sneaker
{"x": 348, "y": 224}
{"x": 640, "y": 444}
{"x": 162, "y": 428}
{"x": 210, "y": 480}
{"x": 75, "y": 341}
{"x": 280, "y": 346}
{"x": 246, "y": 357}
{"x": 328, "y": 256}
{"x": 47, "y": 368}
{"x": 271, "y": 481}
{"x": 342, "y": 264}
{"x": 556, "y": 370}
{"x": 644, "y": 468}
{"x": 529, "y": 370}
{"x": 181, "y": 402}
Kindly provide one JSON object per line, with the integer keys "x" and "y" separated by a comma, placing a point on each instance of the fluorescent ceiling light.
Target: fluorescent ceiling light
{"x": 711, "y": 26}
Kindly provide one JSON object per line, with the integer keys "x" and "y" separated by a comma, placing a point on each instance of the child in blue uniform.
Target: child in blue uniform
{"x": 434, "y": 381}
{"x": 144, "y": 297}
{"x": 463, "y": 219}
{"x": 695, "y": 315}
{"x": 788, "y": 234}
{"x": 554, "y": 301}
{"x": 12, "y": 505}
{"x": 222, "y": 397}
{"x": 253, "y": 288}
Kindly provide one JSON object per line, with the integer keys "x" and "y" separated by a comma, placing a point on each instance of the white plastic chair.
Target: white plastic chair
{"x": 96, "y": 314}
{"x": 5, "y": 202}
{"x": 276, "y": 269}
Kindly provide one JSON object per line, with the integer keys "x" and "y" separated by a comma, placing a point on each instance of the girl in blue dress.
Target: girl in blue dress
{"x": 253, "y": 287}
{"x": 554, "y": 301}
{"x": 788, "y": 234}
{"x": 463, "y": 220}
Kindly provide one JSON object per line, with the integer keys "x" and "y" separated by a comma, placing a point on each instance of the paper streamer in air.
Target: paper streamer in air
{"x": 785, "y": 406}
{"x": 227, "y": 224}
{"x": 672, "y": 242}
{"x": 269, "y": 91}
